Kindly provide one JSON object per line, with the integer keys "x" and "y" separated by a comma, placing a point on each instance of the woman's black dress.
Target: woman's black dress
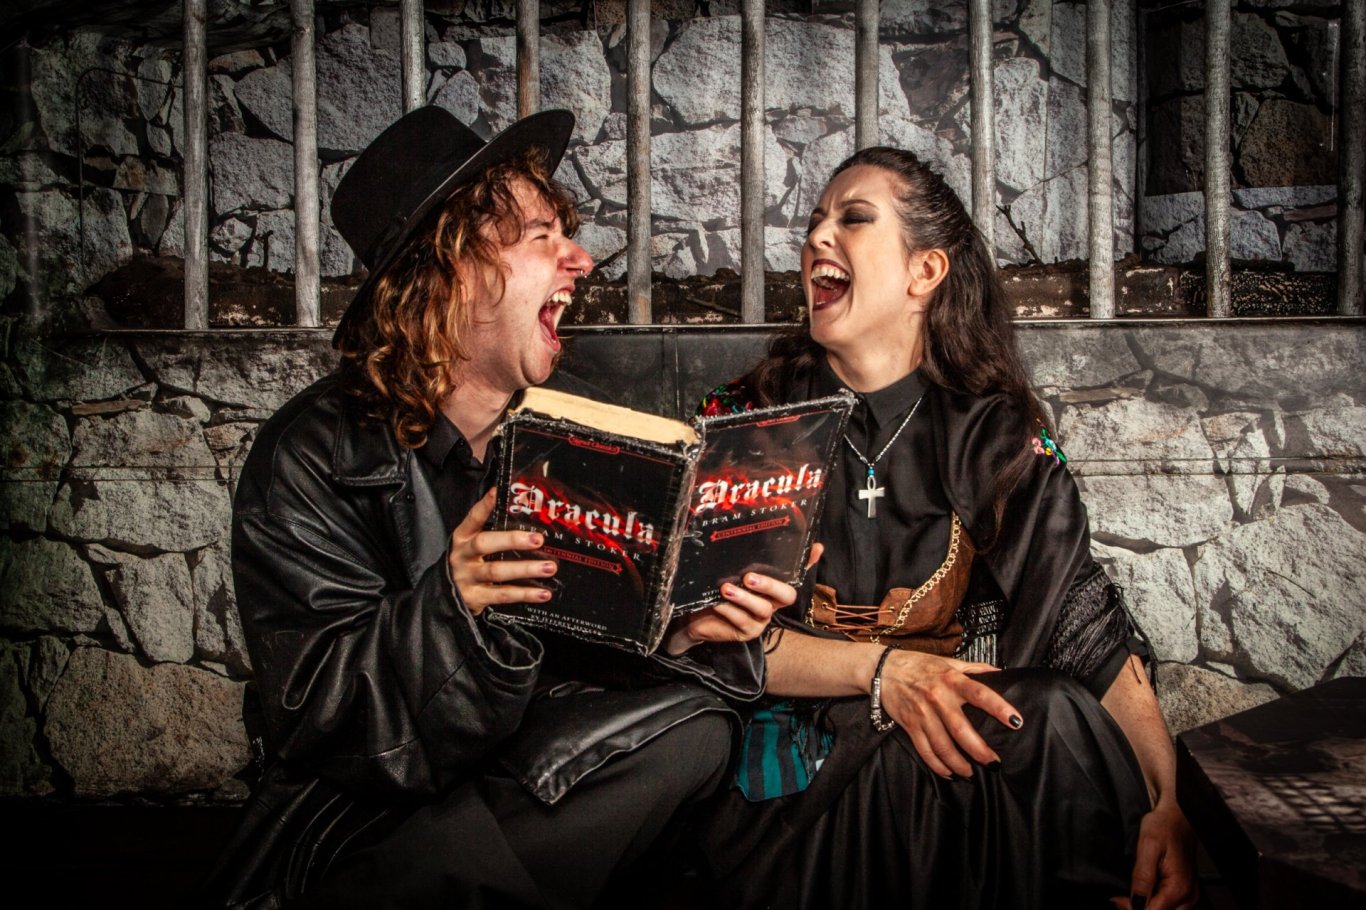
{"x": 1056, "y": 824}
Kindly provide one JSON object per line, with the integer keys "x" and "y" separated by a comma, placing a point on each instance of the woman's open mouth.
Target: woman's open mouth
{"x": 828, "y": 284}
{"x": 550, "y": 316}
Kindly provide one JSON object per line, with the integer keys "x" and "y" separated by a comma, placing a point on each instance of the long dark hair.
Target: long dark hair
{"x": 969, "y": 343}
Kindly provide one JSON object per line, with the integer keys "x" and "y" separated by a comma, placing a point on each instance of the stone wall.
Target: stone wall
{"x": 1283, "y": 71}
{"x": 93, "y": 155}
{"x": 1223, "y": 466}
{"x": 91, "y": 160}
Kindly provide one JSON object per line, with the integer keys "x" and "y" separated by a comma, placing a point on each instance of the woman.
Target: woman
{"x": 891, "y": 767}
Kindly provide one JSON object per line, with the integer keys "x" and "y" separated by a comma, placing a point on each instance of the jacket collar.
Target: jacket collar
{"x": 365, "y": 453}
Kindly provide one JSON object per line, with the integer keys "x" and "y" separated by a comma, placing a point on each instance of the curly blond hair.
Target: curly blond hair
{"x": 402, "y": 356}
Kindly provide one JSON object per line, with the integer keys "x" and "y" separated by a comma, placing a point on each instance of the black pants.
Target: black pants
{"x": 490, "y": 844}
{"x": 1054, "y": 827}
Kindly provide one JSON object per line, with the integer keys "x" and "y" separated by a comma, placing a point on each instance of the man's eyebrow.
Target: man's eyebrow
{"x": 542, "y": 224}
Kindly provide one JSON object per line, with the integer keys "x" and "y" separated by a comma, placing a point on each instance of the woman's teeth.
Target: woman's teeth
{"x": 828, "y": 284}
{"x": 830, "y": 271}
{"x": 562, "y": 298}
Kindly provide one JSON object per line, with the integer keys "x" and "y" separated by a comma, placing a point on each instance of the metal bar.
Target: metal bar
{"x": 1351, "y": 157}
{"x": 1100, "y": 168}
{"x": 196, "y": 165}
{"x": 305, "y": 67}
{"x": 638, "y": 161}
{"x": 1218, "y": 276}
{"x": 865, "y": 73}
{"x": 412, "y": 50}
{"x": 752, "y": 107}
{"x": 529, "y": 57}
{"x": 983, "y": 131}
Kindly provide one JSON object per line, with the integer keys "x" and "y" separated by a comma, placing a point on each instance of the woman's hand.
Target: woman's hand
{"x": 743, "y": 617}
{"x": 1164, "y": 868}
{"x": 482, "y": 581}
{"x": 925, "y": 694}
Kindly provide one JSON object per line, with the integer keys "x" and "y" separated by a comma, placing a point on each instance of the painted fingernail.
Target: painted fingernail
{"x": 729, "y": 589}
{"x": 547, "y": 568}
{"x": 536, "y": 540}
{"x": 994, "y": 766}
{"x": 1138, "y": 901}
{"x": 543, "y": 595}
{"x": 1016, "y": 721}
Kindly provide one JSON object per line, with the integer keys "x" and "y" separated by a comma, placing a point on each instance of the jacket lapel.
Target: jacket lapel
{"x": 366, "y": 455}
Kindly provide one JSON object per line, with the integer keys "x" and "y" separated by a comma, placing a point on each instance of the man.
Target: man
{"x": 419, "y": 749}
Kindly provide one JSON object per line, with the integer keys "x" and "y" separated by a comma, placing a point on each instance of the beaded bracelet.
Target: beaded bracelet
{"x": 880, "y": 723}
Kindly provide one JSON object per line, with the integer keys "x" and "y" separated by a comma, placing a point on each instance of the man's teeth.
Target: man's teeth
{"x": 562, "y": 298}
{"x": 831, "y": 272}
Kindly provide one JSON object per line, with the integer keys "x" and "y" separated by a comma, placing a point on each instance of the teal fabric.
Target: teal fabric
{"x": 783, "y": 747}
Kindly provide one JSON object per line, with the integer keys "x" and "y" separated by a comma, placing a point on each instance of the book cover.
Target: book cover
{"x": 757, "y": 497}
{"x": 645, "y": 516}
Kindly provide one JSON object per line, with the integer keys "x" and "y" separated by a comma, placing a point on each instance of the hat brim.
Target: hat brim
{"x": 547, "y": 130}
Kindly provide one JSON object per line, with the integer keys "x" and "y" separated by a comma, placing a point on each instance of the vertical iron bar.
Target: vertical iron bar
{"x": 1351, "y": 157}
{"x": 638, "y": 161}
{"x": 1100, "y": 169}
{"x": 412, "y": 50}
{"x": 196, "y": 164}
{"x": 865, "y": 73}
{"x": 528, "y": 57}
{"x": 983, "y": 130}
{"x": 752, "y": 161}
{"x": 1218, "y": 276}
{"x": 306, "y": 271}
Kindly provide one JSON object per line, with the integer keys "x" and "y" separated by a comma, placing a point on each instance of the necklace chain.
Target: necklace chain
{"x": 869, "y": 464}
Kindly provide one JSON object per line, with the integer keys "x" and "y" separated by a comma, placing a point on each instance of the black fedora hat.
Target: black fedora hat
{"x": 410, "y": 169}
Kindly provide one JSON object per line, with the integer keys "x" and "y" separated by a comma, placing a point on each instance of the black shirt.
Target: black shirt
{"x": 908, "y": 537}
{"x": 449, "y": 465}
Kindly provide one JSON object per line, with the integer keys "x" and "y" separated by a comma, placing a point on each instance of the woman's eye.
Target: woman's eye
{"x": 855, "y": 218}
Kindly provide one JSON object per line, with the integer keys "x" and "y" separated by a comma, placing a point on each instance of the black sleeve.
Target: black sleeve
{"x": 1062, "y": 610}
{"x": 377, "y": 688}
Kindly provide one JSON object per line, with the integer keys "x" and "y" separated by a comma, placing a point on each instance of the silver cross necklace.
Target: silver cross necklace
{"x": 871, "y": 491}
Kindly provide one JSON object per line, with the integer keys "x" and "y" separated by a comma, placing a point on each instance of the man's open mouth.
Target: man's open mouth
{"x": 550, "y": 315}
{"x": 828, "y": 284}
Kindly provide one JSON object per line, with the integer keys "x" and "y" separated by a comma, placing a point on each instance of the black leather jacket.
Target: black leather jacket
{"x": 378, "y": 690}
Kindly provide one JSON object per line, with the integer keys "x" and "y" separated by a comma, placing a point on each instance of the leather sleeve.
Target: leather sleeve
{"x": 733, "y": 671}
{"x": 1061, "y": 613}
{"x": 380, "y": 689}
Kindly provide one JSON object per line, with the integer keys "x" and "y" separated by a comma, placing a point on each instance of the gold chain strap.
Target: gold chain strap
{"x": 955, "y": 533}
{"x": 955, "y": 536}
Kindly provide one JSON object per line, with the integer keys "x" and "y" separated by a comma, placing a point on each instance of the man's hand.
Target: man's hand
{"x": 482, "y": 581}
{"x": 925, "y": 694}
{"x": 743, "y": 616}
